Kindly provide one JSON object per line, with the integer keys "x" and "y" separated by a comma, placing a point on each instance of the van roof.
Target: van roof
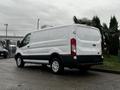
{"x": 81, "y": 25}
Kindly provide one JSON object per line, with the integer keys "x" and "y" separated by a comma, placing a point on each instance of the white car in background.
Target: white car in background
{"x": 3, "y": 52}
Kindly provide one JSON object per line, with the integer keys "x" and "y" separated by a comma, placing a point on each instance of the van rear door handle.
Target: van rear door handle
{"x": 94, "y": 45}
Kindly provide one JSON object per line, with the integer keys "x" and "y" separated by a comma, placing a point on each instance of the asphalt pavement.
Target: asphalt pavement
{"x": 35, "y": 77}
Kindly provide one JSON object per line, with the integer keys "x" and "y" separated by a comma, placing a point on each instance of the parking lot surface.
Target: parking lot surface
{"x": 35, "y": 77}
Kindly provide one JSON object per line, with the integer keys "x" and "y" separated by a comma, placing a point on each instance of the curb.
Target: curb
{"x": 106, "y": 71}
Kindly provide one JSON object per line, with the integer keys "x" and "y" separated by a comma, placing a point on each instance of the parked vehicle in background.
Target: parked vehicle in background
{"x": 3, "y": 52}
{"x": 73, "y": 46}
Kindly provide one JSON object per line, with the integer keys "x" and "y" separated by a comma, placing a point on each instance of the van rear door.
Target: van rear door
{"x": 88, "y": 41}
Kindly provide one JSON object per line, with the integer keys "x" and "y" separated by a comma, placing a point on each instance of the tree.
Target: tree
{"x": 82, "y": 21}
{"x": 114, "y": 37}
{"x": 75, "y": 20}
{"x": 85, "y": 21}
{"x": 113, "y": 25}
{"x": 96, "y": 22}
{"x": 105, "y": 27}
{"x": 106, "y": 39}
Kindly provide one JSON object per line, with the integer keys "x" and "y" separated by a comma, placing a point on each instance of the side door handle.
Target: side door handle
{"x": 28, "y": 46}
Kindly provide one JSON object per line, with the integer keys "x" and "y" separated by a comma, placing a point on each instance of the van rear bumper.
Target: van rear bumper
{"x": 82, "y": 60}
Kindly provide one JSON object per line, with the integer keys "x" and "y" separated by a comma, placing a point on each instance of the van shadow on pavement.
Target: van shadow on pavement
{"x": 67, "y": 71}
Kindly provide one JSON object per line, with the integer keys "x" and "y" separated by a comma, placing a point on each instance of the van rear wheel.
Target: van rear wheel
{"x": 19, "y": 62}
{"x": 57, "y": 66}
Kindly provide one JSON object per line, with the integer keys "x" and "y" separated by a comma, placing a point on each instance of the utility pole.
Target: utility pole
{"x": 7, "y": 41}
{"x": 38, "y": 23}
{"x": 6, "y": 25}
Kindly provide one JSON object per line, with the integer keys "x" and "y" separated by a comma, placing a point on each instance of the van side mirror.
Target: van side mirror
{"x": 18, "y": 43}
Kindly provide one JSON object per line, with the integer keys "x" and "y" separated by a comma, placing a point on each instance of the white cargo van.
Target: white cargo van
{"x": 71, "y": 46}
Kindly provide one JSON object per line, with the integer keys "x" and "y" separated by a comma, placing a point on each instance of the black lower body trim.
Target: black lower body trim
{"x": 36, "y": 57}
{"x": 82, "y": 60}
{"x": 69, "y": 61}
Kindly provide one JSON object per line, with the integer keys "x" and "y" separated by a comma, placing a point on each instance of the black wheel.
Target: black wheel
{"x": 57, "y": 66}
{"x": 5, "y": 55}
{"x": 19, "y": 62}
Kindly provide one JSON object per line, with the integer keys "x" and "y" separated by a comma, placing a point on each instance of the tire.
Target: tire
{"x": 19, "y": 62}
{"x": 5, "y": 55}
{"x": 57, "y": 66}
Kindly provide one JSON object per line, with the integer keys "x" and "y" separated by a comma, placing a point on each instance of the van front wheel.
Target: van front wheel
{"x": 57, "y": 66}
{"x": 19, "y": 62}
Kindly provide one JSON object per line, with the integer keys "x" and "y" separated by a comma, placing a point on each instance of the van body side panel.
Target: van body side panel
{"x": 44, "y": 43}
{"x": 57, "y": 40}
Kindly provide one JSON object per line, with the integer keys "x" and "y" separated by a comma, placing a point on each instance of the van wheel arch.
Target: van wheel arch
{"x": 18, "y": 54}
{"x": 19, "y": 60}
{"x": 55, "y": 55}
{"x": 55, "y": 58}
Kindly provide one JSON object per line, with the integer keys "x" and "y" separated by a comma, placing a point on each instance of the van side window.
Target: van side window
{"x": 26, "y": 40}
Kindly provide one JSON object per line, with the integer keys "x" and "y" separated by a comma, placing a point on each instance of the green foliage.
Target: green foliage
{"x": 114, "y": 37}
{"x": 106, "y": 41}
{"x": 110, "y": 63}
{"x": 85, "y": 21}
{"x": 105, "y": 27}
{"x": 96, "y": 22}
{"x": 82, "y": 21}
{"x": 113, "y": 26}
{"x": 75, "y": 20}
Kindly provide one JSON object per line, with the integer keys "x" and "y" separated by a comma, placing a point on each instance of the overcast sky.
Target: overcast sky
{"x": 22, "y": 15}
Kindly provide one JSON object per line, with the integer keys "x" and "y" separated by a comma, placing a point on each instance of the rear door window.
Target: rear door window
{"x": 88, "y": 34}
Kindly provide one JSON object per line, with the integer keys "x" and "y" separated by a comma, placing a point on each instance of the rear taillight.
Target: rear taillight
{"x": 73, "y": 48}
